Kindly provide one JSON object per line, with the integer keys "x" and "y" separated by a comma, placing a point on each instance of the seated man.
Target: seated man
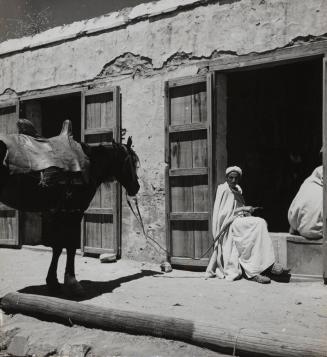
{"x": 244, "y": 242}
{"x": 305, "y": 213}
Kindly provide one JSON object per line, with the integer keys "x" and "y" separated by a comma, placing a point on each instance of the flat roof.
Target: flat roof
{"x": 103, "y": 23}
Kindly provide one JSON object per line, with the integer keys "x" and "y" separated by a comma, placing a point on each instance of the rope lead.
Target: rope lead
{"x": 140, "y": 221}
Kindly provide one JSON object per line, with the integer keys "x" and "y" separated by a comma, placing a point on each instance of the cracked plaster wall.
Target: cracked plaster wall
{"x": 239, "y": 26}
{"x": 141, "y": 56}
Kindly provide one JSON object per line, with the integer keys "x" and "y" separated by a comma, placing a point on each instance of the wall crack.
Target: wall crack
{"x": 135, "y": 65}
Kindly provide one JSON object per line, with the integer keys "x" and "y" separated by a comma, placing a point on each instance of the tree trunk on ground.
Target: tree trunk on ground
{"x": 242, "y": 342}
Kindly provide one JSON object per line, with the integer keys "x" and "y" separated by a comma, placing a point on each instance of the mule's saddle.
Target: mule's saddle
{"x": 30, "y": 153}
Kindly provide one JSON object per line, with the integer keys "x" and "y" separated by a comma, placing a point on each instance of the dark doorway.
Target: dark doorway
{"x": 47, "y": 114}
{"x": 274, "y": 132}
{"x": 57, "y": 109}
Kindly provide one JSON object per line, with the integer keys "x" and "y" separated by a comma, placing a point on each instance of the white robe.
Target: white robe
{"x": 245, "y": 243}
{"x": 305, "y": 213}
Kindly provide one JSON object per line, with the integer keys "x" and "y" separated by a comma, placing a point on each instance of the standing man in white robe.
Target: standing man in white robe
{"x": 244, "y": 240}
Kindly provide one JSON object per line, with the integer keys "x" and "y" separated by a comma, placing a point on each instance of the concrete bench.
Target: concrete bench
{"x": 302, "y": 255}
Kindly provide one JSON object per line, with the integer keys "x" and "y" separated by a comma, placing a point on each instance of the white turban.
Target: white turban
{"x": 233, "y": 169}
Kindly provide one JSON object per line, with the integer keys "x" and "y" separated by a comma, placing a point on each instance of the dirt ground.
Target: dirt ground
{"x": 296, "y": 308}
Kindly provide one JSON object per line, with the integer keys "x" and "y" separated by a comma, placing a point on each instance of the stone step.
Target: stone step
{"x": 303, "y": 256}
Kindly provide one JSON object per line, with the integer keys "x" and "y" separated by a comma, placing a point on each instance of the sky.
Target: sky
{"x": 20, "y": 18}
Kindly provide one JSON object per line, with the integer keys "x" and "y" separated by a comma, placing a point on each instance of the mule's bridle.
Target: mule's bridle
{"x": 140, "y": 221}
{"x": 146, "y": 235}
{"x": 129, "y": 161}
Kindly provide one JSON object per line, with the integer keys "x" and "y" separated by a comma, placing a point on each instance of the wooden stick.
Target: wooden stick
{"x": 242, "y": 342}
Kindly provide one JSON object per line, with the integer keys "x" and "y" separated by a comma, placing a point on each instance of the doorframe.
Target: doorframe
{"x": 221, "y": 68}
{"x": 274, "y": 57}
{"x": 299, "y": 53}
{"x": 47, "y": 94}
{"x": 50, "y": 93}
{"x": 94, "y": 88}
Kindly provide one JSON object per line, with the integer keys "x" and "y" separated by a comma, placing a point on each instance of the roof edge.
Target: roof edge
{"x": 95, "y": 25}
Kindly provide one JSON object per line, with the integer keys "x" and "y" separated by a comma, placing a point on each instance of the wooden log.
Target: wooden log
{"x": 240, "y": 342}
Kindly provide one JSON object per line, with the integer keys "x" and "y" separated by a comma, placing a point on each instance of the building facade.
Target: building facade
{"x": 199, "y": 85}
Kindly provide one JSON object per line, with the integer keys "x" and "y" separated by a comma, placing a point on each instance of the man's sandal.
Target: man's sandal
{"x": 261, "y": 279}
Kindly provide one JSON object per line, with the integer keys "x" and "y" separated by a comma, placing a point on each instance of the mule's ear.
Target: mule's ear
{"x": 122, "y": 134}
{"x": 129, "y": 142}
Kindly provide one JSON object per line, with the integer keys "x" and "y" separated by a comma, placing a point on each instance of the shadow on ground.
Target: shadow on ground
{"x": 284, "y": 278}
{"x": 92, "y": 288}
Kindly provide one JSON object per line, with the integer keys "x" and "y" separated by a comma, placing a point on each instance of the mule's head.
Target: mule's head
{"x": 126, "y": 171}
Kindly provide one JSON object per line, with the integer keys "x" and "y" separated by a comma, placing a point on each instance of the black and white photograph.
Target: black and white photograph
{"x": 161, "y": 178}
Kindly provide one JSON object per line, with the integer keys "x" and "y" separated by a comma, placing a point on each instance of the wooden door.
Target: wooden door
{"x": 101, "y": 124}
{"x": 188, "y": 154}
{"x": 324, "y": 245}
{"x": 9, "y": 218}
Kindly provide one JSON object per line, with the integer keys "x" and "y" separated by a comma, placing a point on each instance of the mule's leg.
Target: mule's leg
{"x": 70, "y": 263}
{"x": 72, "y": 223}
{"x": 74, "y": 287}
{"x": 52, "y": 280}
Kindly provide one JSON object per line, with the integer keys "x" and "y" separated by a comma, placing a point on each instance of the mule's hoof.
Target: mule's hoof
{"x": 73, "y": 287}
{"x": 53, "y": 286}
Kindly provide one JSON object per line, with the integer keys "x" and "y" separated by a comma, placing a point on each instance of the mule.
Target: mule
{"x": 64, "y": 200}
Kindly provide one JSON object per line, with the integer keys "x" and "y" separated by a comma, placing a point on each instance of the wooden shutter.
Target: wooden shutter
{"x": 188, "y": 175}
{"x": 324, "y": 246}
{"x": 100, "y": 124}
{"x": 9, "y": 218}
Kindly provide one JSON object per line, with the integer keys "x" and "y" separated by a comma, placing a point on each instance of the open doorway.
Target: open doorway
{"x": 47, "y": 114}
{"x": 274, "y": 132}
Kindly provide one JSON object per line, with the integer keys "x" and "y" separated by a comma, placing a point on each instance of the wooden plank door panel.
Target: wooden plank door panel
{"x": 182, "y": 239}
{"x": 100, "y": 125}
{"x": 181, "y": 105}
{"x": 201, "y": 241}
{"x": 199, "y": 103}
{"x": 9, "y": 218}
{"x": 188, "y": 175}
{"x": 189, "y": 193}
{"x": 200, "y": 193}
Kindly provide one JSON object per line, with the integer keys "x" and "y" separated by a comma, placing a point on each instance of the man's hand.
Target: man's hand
{"x": 244, "y": 209}
{"x": 247, "y": 210}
